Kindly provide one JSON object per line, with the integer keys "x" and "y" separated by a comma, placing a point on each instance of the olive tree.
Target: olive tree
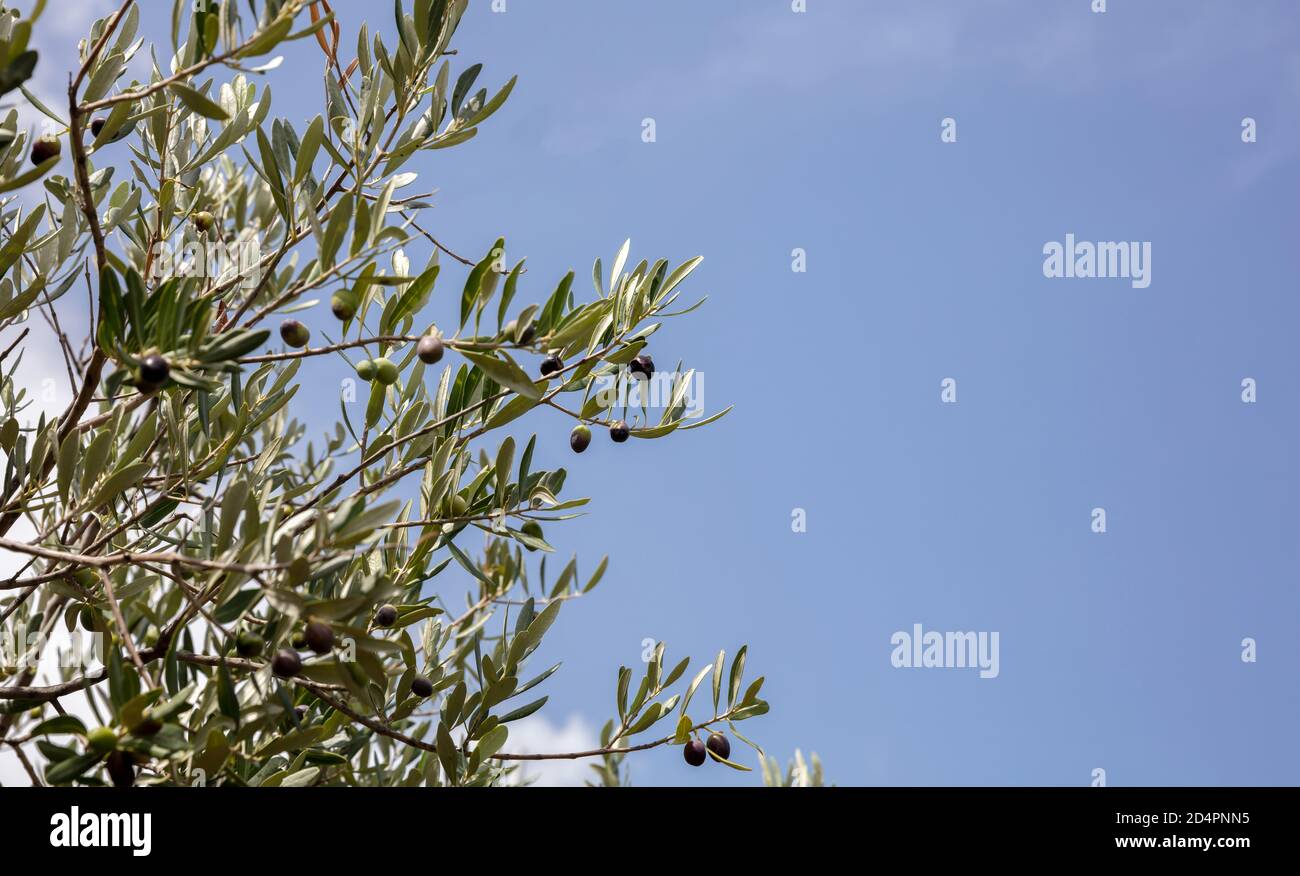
{"x": 358, "y": 607}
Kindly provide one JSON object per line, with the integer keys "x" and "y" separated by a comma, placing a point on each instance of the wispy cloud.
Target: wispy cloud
{"x": 880, "y": 55}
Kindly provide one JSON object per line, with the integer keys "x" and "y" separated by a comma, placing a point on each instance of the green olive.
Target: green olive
{"x": 386, "y": 372}
{"x": 102, "y": 740}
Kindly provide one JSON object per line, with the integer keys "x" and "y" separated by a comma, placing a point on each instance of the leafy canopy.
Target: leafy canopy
{"x": 278, "y": 610}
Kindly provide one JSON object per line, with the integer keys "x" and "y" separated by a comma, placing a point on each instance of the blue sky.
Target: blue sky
{"x": 777, "y": 130}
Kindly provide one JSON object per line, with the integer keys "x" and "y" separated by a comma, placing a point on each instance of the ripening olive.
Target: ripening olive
{"x": 642, "y": 365}
{"x": 719, "y": 745}
{"x": 511, "y": 330}
{"x": 533, "y": 528}
{"x": 294, "y": 333}
{"x": 579, "y": 438}
{"x": 286, "y": 663}
{"x": 45, "y": 148}
{"x": 248, "y": 644}
{"x": 319, "y": 636}
{"x": 344, "y": 305}
{"x": 121, "y": 769}
{"x": 429, "y": 349}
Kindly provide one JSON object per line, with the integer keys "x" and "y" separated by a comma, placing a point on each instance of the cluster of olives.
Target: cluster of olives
{"x": 580, "y": 437}
{"x": 695, "y": 753}
{"x": 316, "y": 635}
{"x": 380, "y": 369}
{"x": 643, "y": 367}
{"x": 386, "y": 616}
{"x": 429, "y": 349}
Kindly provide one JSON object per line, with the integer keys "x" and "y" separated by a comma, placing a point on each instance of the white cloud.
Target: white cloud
{"x": 73, "y": 19}
{"x": 537, "y": 735}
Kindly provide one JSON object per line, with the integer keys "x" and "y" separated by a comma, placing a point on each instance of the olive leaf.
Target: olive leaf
{"x": 197, "y": 102}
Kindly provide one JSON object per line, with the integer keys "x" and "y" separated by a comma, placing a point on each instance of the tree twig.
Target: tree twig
{"x": 123, "y": 628}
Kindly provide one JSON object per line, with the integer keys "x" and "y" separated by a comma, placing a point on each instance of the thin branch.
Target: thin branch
{"x": 131, "y": 558}
{"x": 435, "y": 241}
{"x": 93, "y": 55}
{"x": 16, "y": 342}
{"x": 90, "y": 380}
{"x": 398, "y": 736}
{"x": 123, "y": 628}
{"x": 27, "y": 765}
{"x": 179, "y": 76}
{"x": 333, "y": 348}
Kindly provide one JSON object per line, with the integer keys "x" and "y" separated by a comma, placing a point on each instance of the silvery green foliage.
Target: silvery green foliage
{"x": 799, "y": 773}
{"x": 177, "y": 510}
